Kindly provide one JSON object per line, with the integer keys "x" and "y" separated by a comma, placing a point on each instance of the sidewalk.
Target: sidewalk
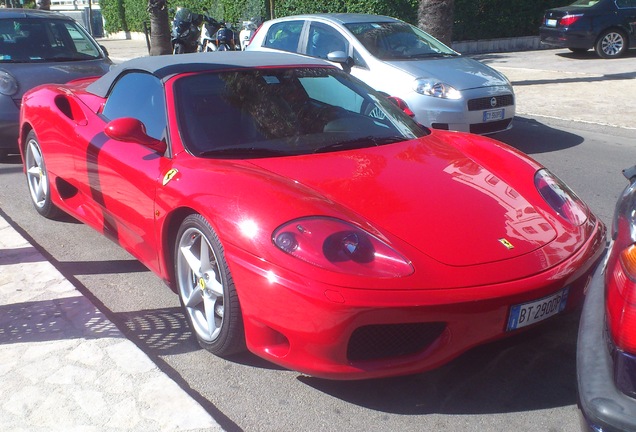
{"x": 65, "y": 367}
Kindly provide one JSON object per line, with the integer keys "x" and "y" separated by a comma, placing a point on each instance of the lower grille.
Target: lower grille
{"x": 375, "y": 342}
{"x": 492, "y": 127}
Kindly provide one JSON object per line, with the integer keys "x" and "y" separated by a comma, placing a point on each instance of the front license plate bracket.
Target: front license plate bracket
{"x": 525, "y": 314}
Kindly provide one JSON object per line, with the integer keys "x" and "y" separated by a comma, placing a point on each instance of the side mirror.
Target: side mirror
{"x": 133, "y": 130}
{"x": 104, "y": 50}
{"x": 341, "y": 57}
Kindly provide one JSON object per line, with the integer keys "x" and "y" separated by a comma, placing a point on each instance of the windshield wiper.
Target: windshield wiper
{"x": 362, "y": 142}
{"x": 242, "y": 152}
{"x": 432, "y": 55}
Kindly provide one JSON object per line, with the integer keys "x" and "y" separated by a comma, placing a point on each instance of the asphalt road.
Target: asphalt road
{"x": 524, "y": 383}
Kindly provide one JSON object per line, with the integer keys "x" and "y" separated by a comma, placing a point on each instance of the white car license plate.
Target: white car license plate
{"x": 493, "y": 115}
{"x": 550, "y": 23}
{"x": 522, "y": 315}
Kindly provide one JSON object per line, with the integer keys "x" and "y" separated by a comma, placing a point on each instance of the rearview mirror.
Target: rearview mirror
{"x": 133, "y": 130}
{"x": 341, "y": 57}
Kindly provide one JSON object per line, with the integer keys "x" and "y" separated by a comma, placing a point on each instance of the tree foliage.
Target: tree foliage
{"x": 473, "y": 19}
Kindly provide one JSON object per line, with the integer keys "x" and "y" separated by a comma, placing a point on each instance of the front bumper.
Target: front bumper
{"x": 9, "y": 124}
{"x": 466, "y": 114}
{"x": 338, "y": 332}
{"x": 603, "y": 407}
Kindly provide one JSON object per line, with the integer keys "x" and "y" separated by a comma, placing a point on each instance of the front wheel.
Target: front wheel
{"x": 206, "y": 288}
{"x": 38, "y": 178}
{"x": 611, "y": 44}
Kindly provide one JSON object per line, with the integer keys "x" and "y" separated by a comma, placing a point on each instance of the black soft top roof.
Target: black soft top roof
{"x": 166, "y": 66}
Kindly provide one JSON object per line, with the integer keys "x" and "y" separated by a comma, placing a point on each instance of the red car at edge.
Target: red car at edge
{"x": 304, "y": 217}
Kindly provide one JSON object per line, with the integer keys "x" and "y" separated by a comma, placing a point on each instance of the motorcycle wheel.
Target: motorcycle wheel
{"x": 179, "y": 48}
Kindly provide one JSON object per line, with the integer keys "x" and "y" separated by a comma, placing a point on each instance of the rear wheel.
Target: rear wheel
{"x": 611, "y": 44}
{"x": 206, "y": 288}
{"x": 38, "y": 178}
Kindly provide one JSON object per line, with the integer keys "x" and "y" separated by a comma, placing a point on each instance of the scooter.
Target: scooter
{"x": 186, "y": 28}
{"x": 245, "y": 35}
{"x": 207, "y": 42}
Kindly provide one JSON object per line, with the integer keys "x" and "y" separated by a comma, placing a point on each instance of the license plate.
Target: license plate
{"x": 525, "y": 314}
{"x": 550, "y": 23}
{"x": 493, "y": 115}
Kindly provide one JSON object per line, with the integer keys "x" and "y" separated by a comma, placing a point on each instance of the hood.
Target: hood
{"x": 428, "y": 194}
{"x": 30, "y": 75}
{"x": 462, "y": 73}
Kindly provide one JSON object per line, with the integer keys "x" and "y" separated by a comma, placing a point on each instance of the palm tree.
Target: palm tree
{"x": 160, "y": 43}
{"x": 436, "y": 18}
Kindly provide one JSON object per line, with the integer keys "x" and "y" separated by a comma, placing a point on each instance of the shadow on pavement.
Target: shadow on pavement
{"x": 531, "y": 137}
{"x": 48, "y": 320}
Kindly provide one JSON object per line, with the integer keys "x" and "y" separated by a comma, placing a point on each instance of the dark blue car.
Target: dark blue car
{"x": 607, "y": 26}
{"x": 606, "y": 350}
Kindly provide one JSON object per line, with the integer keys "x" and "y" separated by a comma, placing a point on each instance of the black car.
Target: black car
{"x": 606, "y": 349}
{"x": 608, "y": 26}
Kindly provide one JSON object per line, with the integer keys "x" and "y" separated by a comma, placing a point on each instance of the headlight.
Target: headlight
{"x": 8, "y": 84}
{"x": 431, "y": 87}
{"x": 338, "y": 246}
{"x": 560, "y": 197}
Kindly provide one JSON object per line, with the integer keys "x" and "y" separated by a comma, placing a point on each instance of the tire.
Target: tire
{"x": 206, "y": 289}
{"x": 179, "y": 48}
{"x": 611, "y": 43}
{"x": 38, "y": 178}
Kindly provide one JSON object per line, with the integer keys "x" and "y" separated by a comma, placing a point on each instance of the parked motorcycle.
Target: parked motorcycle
{"x": 207, "y": 42}
{"x": 186, "y": 28}
{"x": 245, "y": 35}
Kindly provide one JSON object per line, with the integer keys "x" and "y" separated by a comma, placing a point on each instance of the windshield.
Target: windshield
{"x": 398, "y": 41}
{"x": 284, "y": 112}
{"x": 24, "y": 40}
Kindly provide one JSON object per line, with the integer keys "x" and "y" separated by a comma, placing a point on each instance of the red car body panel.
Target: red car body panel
{"x": 296, "y": 314}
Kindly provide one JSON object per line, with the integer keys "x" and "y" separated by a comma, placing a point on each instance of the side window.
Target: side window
{"x": 624, "y": 4}
{"x": 141, "y": 96}
{"x": 284, "y": 36}
{"x": 358, "y": 60}
{"x": 324, "y": 39}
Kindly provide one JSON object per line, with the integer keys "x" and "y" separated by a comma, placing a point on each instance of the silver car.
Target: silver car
{"x": 442, "y": 88}
{"x": 38, "y": 47}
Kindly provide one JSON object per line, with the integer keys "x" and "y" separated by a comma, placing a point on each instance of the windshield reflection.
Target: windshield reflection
{"x": 398, "y": 41}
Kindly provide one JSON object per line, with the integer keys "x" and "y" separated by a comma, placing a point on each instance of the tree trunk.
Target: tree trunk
{"x": 435, "y": 17}
{"x": 160, "y": 39}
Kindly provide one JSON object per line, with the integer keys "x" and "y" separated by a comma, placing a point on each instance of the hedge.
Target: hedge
{"x": 474, "y": 19}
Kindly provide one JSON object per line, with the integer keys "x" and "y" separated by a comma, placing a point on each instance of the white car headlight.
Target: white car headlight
{"x": 431, "y": 87}
{"x": 8, "y": 84}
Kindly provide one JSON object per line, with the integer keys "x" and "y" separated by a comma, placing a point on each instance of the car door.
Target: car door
{"x": 122, "y": 177}
{"x": 627, "y": 13}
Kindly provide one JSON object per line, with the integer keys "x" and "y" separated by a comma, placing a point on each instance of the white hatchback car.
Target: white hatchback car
{"x": 444, "y": 89}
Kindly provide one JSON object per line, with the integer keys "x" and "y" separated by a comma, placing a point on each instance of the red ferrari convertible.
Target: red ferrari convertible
{"x": 303, "y": 216}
